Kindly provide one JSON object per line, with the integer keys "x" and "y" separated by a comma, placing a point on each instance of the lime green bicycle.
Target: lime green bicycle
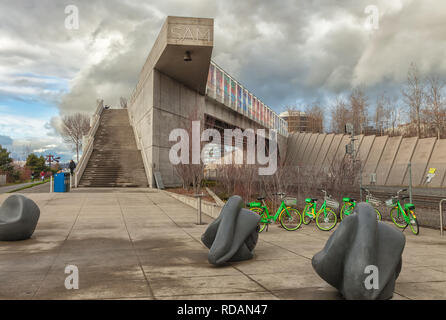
{"x": 403, "y": 217}
{"x": 289, "y": 217}
{"x": 325, "y": 217}
{"x": 350, "y": 204}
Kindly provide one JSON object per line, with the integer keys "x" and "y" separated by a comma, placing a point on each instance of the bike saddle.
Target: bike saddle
{"x": 310, "y": 200}
{"x": 261, "y": 198}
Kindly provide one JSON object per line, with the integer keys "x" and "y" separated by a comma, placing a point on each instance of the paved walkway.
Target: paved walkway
{"x": 145, "y": 245}
{"x": 15, "y": 186}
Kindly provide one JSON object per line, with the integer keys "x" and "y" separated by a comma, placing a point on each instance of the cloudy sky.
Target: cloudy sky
{"x": 287, "y": 52}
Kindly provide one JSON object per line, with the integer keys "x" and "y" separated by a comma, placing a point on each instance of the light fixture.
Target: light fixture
{"x": 187, "y": 56}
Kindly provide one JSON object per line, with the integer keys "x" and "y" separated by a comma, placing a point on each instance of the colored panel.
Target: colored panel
{"x": 239, "y": 98}
{"x": 386, "y": 161}
{"x": 245, "y": 106}
{"x": 317, "y": 147}
{"x": 233, "y": 94}
{"x": 419, "y": 161}
{"x": 219, "y": 83}
{"x": 373, "y": 159}
{"x": 329, "y": 158}
{"x": 323, "y": 152}
{"x": 438, "y": 162}
{"x": 402, "y": 158}
{"x": 226, "y": 89}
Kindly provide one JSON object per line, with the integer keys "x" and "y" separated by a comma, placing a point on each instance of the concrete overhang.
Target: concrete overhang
{"x": 178, "y": 36}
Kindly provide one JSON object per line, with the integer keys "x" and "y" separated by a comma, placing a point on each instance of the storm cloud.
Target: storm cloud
{"x": 286, "y": 52}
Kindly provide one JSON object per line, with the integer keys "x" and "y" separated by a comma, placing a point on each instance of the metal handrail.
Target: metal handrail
{"x": 441, "y": 217}
{"x": 88, "y": 148}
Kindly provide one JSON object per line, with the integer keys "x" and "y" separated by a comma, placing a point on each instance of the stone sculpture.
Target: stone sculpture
{"x": 362, "y": 258}
{"x": 18, "y": 218}
{"x": 233, "y": 235}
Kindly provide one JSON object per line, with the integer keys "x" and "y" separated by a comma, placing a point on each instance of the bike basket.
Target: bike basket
{"x": 332, "y": 204}
{"x": 375, "y": 202}
{"x": 290, "y": 202}
{"x": 391, "y": 202}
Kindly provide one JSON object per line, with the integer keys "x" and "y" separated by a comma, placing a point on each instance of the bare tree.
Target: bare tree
{"x": 435, "y": 104}
{"x": 413, "y": 94}
{"x": 340, "y": 115}
{"x": 380, "y": 114}
{"x": 74, "y": 128}
{"x": 359, "y": 110}
{"x": 315, "y": 117}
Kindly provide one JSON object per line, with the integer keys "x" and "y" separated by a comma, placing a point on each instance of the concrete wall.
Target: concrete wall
{"x": 438, "y": 161}
{"x": 402, "y": 158}
{"x": 419, "y": 161}
{"x": 373, "y": 159}
{"x": 386, "y": 161}
{"x": 322, "y": 154}
{"x": 317, "y": 147}
{"x": 332, "y": 151}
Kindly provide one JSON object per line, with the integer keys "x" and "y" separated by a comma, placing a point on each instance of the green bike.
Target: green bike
{"x": 350, "y": 204}
{"x": 289, "y": 217}
{"x": 403, "y": 217}
{"x": 325, "y": 217}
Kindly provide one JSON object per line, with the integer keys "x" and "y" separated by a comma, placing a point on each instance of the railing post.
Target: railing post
{"x": 441, "y": 217}
{"x": 51, "y": 184}
{"x": 198, "y": 196}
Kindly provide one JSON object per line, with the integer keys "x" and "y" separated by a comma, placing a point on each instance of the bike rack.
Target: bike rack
{"x": 441, "y": 217}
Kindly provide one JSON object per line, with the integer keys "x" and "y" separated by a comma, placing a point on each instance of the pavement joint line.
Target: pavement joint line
{"x": 60, "y": 248}
{"x": 230, "y": 265}
{"x": 271, "y": 243}
{"x": 135, "y": 251}
{"x": 207, "y": 294}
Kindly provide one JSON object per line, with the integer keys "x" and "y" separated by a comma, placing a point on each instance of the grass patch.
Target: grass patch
{"x": 29, "y": 186}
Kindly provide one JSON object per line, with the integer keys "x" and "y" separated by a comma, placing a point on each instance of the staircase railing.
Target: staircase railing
{"x": 88, "y": 143}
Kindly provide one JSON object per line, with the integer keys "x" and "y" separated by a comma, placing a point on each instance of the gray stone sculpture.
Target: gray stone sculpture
{"x": 18, "y": 218}
{"x": 356, "y": 250}
{"x": 233, "y": 235}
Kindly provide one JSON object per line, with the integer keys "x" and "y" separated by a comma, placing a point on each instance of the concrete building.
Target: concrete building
{"x": 299, "y": 121}
{"x": 179, "y": 83}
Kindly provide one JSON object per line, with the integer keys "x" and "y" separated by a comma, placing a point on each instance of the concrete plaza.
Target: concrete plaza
{"x": 144, "y": 244}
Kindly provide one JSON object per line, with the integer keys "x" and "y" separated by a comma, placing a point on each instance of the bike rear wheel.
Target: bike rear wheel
{"x": 263, "y": 218}
{"x": 347, "y": 209}
{"x": 413, "y": 223}
{"x": 290, "y": 220}
{"x": 398, "y": 218}
{"x": 326, "y": 220}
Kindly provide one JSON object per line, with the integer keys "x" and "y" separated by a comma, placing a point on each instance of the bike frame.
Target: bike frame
{"x": 313, "y": 212}
{"x": 402, "y": 211}
{"x": 264, "y": 207}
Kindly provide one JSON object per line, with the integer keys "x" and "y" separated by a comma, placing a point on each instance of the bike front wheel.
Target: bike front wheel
{"x": 263, "y": 218}
{"x": 290, "y": 220}
{"x": 306, "y": 215}
{"x": 326, "y": 220}
{"x": 413, "y": 224}
{"x": 378, "y": 215}
{"x": 398, "y": 218}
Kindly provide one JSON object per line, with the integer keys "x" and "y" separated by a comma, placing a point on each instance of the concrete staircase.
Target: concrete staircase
{"x": 115, "y": 160}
